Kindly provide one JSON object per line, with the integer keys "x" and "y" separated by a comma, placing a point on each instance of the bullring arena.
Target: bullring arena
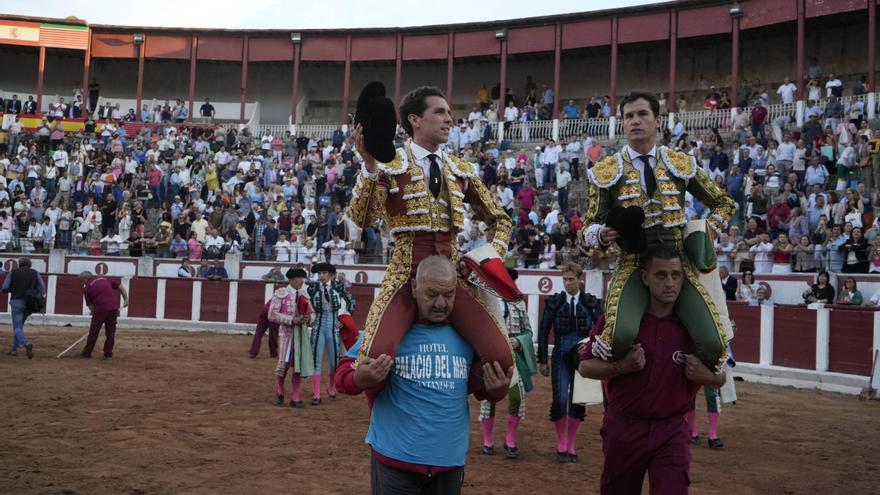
{"x": 182, "y": 408}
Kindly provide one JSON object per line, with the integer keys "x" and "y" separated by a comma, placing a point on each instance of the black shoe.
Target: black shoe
{"x": 108, "y": 358}
{"x": 279, "y": 399}
{"x": 696, "y": 440}
{"x": 83, "y": 356}
{"x": 316, "y": 402}
{"x": 716, "y": 443}
{"x": 572, "y": 457}
{"x": 30, "y": 351}
{"x": 12, "y": 353}
{"x": 297, "y": 404}
{"x": 334, "y": 397}
{"x": 511, "y": 452}
{"x": 253, "y": 356}
{"x": 488, "y": 450}
{"x": 562, "y": 456}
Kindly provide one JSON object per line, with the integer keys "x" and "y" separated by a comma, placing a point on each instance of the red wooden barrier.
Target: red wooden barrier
{"x": 850, "y": 341}
{"x": 794, "y": 337}
{"x": 251, "y": 298}
{"x": 142, "y": 297}
{"x": 178, "y": 299}
{"x": 68, "y": 295}
{"x": 747, "y": 340}
{"x": 215, "y": 301}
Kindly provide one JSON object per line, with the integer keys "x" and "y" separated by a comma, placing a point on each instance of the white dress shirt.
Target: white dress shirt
{"x": 640, "y": 165}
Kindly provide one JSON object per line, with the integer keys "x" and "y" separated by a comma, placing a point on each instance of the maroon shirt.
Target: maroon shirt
{"x": 660, "y": 389}
{"x": 101, "y": 294}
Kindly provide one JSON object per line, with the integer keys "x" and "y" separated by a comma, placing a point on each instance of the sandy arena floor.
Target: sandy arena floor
{"x": 178, "y": 412}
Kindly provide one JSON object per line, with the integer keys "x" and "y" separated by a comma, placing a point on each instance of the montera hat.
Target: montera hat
{"x": 375, "y": 112}
{"x": 296, "y": 273}
{"x": 323, "y": 267}
{"x": 628, "y": 223}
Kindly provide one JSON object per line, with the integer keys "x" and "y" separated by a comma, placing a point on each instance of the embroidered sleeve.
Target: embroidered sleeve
{"x": 275, "y": 314}
{"x": 368, "y": 198}
{"x": 486, "y": 208}
{"x": 723, "y": 207}
{"x": 598, "y": 203}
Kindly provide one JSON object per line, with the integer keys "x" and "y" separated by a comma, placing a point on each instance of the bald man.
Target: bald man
{"x": 419, "y": 423}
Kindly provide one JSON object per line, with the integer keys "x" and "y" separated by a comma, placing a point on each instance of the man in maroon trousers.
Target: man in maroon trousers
{"x": 264, "y": 324}
{"x": 650, "y": 390}
{"x": 102, "y": 298}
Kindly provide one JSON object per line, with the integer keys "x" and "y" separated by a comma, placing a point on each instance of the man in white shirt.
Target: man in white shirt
{"x": 787, "y": 91}
{"x": 834, "y": 87}
{"x": 214, "y": 244}
{"x": 337, "y": 250}
{"x": 111, "y": 243}
{"x": 785, "y": 153}
{"x": 200, "y": 227}
{"x": 506, "y": 199}
{"x": 282, "y": 248}
{"x": 60, "y": 157}
{"x": 475, "y": 116}
{"x": 549, "y": 158}
{"x": 511, "y": 113}
{"x": 761, "y": 252}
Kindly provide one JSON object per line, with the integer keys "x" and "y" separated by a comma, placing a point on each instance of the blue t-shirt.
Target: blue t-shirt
{"x": 421, "y": 415}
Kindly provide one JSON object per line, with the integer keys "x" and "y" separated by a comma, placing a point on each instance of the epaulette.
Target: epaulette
{"x": 460, "y": 167}
{"x": 397, "y": 166}
{"x": 606, "y": 172}
{"x": 679, "y": 164}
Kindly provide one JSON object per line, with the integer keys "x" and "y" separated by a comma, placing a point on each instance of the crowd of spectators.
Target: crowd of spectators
{"x": 806, "y": 195}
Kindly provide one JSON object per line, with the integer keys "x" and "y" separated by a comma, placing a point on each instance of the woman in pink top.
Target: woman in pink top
{"x": 195, "y": 247}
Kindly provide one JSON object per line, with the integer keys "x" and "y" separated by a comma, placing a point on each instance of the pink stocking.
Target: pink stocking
{"x": 488, "y": 424}
{"x": 573, "y": 425}
{"x": 512, "y": 423}
{"x": 331, "y": 387}
{"x": 279, "y": 385}
{"x": 691, "y": 418}
{"x": 713, "y": 425}
{"x": 316, "y": 386}
{"x": 561, "y": 434}
{"x": 296, "y": 385}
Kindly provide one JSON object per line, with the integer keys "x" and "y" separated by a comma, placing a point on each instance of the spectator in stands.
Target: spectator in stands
{"x": 850, "y": 294}
{"x": 207, "y": 110}
{"x": 821, "y": 291}
{"x": 748, "y": 288}
{"x": 855, "y": 250}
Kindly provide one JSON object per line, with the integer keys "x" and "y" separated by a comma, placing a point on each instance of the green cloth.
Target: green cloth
{"x": 700, "y": 250}
{"x": 526, "y": 363}
{"x": 303, "y": 362}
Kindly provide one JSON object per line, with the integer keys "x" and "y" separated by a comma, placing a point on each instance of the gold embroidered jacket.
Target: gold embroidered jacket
{"x": 399, "y": 194}
{"x": 614, "y": 181}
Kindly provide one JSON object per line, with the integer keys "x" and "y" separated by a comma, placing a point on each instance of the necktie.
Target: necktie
{"x": 506, "y": 310}
{"x": 326, "y": 294}
{"x": 573, "y": 316}
{"x": 650, "y": 180}
{"x": 434, "y": 179}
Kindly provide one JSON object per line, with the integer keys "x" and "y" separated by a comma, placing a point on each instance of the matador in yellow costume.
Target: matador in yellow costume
{"x": 656, "y": 178}
{"x": 421, "y": 192}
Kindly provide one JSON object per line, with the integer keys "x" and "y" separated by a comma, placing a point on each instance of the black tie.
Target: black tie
{"x": 326, "y": 294}
{"x": 434, "y": 180}
{"x": 506, "y": 310}
{"x": 573, "y": 316}
{"x": 650, "y": 180}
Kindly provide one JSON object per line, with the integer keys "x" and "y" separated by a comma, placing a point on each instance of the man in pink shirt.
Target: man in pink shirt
{"x": 102, "y": 298}
{"x": 649, "y": 391}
